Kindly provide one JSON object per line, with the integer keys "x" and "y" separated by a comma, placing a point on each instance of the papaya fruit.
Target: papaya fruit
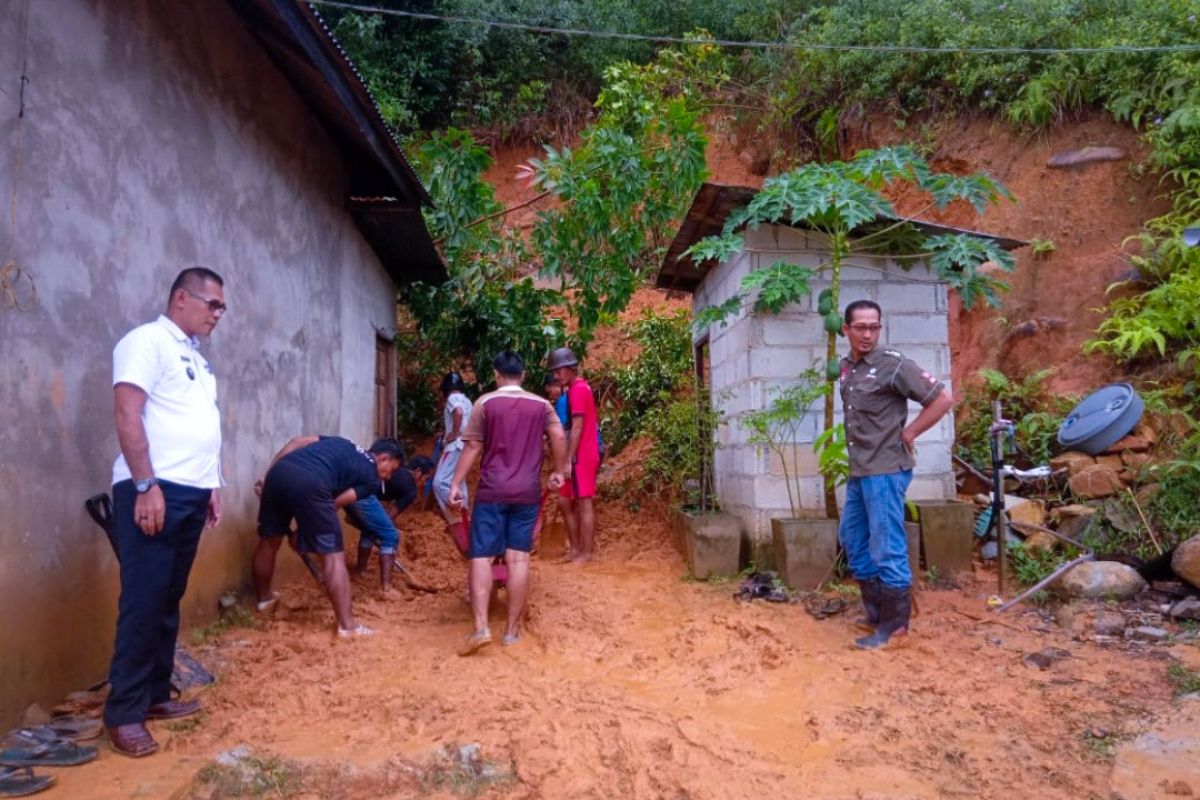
{"x": 833, "y": 322}
{"x": 833, "y": 370}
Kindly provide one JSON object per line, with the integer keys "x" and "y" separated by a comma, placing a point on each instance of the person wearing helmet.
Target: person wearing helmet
{"x": 583, "y": 455}
{"x": 455, "y": 416}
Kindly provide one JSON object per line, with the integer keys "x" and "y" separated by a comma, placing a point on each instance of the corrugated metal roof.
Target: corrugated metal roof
{"x": 300, "y": 43}
{"x": 714, "y": 203}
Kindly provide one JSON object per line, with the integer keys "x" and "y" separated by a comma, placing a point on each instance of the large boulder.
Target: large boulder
{"x": 1025, "y": 510}
{"x": 1097, "y": 480}
{"x": 1102, "y": 579}
{"x": 1186, "y": 561}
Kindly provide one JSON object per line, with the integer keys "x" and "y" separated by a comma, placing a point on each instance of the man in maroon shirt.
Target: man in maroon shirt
{"x": 507, "y": 427}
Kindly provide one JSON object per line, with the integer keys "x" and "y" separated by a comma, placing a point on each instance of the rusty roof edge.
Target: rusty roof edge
{"x": 337, "y": 54}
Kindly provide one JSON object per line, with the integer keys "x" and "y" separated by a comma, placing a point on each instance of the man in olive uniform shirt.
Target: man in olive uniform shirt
{"x": 876, "y": 385}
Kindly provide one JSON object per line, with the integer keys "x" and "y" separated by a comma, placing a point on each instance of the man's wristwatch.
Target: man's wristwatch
{"x": 144, "y": 485}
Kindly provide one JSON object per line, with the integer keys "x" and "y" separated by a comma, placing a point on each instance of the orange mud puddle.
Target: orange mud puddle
{"x": 634, "y": 683}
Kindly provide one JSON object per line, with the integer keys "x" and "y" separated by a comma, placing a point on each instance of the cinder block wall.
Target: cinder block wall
{"x": 756, "y": 355}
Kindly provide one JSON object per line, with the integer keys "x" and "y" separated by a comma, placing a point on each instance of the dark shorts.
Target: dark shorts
{"x": 292, "y": 492}
{"x": 496, "y": 527}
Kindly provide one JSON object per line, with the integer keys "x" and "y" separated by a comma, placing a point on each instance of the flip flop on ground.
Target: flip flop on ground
{"x": 72, "y": 728}
{"x": 32, "y": 747}
{"x": 20, "y": 781}
{"x": 509, "y": 639}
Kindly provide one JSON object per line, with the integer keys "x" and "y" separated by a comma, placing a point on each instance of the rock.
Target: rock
{"x": 1129, "y": 442}
{"x": 1146, "y": 432}
{"x": 982, "y": 500}
{"x": 1072, "y": 461}
{"x": 227, "y": 601}
{"x": 1046, "y": 658}
{"x": 1127, "y": 476}
{"x": 1069, "y": 616}
{"x": 1074, "y": 527}
{"x": 1171, "y": 588}
{"x": 1025, "y": 510}
{"x": 1073, "y": 510}
{"x": 1186, "y": 561}
{"x": 1086, "y": 155}
{"x": 1109, "y": 623}
{"x": 1135, "y": 460}
{"x": 1040, "y": 541}
{"x": 1111, "y": 461}
{"x": 1102, "y": 579}
{"x": 1163, "y": 760}
{"x": 1145, "y": 495}
{"x": 1095, "y": 481}
{"x": 35, "y": 715}
{"x": 1188, "y": 608}
{"x": 1149, "y": 633}
{"x": 233, "y": 757}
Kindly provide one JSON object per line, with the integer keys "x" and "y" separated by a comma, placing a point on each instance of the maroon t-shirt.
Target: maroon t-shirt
{"x": 511, "y": 423}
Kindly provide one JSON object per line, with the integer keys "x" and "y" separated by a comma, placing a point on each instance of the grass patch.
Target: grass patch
{"x": 252, "y": 776}
{"x": 230, "y": 619}
{"x": 186, "y": 725}
{"x": 1100, "y": 744}
{"x": 1186, "y": 681}
{"x": 463, "y": 771}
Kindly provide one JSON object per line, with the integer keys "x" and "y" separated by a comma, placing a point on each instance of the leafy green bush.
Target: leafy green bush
{"x": 1036, "y": 413}
{"x": 682, "y": 434}
{"x": 662, "y": 367}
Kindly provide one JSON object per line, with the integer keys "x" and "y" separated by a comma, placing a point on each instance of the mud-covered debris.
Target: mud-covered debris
{"x": 822, "y": 607}
{"x": 1149, "y": 633}
{"x": 1046, "y": 658}
{"x": 1188, "y": 608}
{"x": 762, "y": 586}
{"x": 1086, "y": 155}
{"x": 1109, "y": 623}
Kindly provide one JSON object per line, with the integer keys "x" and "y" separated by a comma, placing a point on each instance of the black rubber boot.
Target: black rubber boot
{"x": 869, "y": 589}
{"x": 895, "y": 607}
{"x": 386, "y": 560}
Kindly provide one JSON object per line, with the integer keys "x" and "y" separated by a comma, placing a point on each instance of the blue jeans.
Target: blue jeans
{"x": 369, "y": 517}
{"x": 872, "y": 528}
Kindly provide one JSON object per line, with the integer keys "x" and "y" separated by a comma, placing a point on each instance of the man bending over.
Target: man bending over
{"x": 309, "y": 479}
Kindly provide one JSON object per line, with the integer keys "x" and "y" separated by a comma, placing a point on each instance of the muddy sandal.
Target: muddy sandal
{"x": 74, "y": 728}
{"x": 475, "y": 642}
{"x": 20, "y": 781}
{"x": 34, "y": 747}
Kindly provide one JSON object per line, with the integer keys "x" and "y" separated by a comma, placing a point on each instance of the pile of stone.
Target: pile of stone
{"x": 1090, "y": 477}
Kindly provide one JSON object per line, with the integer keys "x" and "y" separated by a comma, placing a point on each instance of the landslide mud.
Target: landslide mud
{"x": 635, "y": 683}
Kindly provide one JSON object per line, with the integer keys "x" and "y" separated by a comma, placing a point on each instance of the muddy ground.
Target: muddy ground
{"x": 635, "y": 682}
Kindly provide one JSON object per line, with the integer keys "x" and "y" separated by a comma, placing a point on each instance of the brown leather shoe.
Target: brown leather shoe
{"x": 132, "y": 740}
{"x": 172, "y": 709}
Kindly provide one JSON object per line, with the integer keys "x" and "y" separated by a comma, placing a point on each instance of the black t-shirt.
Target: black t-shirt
{"x": 340, "y": 464}
{"x": 400, "y": 489}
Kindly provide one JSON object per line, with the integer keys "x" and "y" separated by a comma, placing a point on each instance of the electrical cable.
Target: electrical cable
{"x": 757, "y": 45}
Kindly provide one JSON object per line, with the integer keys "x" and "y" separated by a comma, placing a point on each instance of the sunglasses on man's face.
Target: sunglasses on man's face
{"x": 214, "y": 305}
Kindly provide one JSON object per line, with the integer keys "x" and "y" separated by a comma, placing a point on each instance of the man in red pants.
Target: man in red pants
{"x": 583, "y": 455}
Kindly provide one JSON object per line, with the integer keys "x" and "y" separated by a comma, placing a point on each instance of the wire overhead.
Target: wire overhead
{"x": 756, "y": 45}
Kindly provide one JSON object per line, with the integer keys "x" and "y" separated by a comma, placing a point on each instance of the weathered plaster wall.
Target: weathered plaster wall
{"x": 155, "y": 135}
{"x": 755, "y": 355}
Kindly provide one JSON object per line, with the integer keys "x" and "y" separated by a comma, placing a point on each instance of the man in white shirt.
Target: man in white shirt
{"x": 165, "y": 484}
{"x": 455, "y": 416}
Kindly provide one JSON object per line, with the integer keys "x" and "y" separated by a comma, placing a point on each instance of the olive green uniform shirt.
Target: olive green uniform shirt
{"x": 875, "y": 394}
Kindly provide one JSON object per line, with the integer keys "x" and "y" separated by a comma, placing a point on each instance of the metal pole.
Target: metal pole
{"x": 1046, "y": 581}
{"x": 998, "y": 493}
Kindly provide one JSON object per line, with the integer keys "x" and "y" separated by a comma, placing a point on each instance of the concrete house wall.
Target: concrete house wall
{"x": 151, "y": 136}
{"x": 757, "y": 354}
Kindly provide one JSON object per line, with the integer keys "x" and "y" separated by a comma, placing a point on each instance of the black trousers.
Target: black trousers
{"x": 154, "y": 575}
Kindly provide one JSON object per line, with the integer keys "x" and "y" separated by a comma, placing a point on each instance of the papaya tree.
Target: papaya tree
{"x": 845, "y": 201}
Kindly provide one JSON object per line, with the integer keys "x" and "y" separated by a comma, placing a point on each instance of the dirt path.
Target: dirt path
{"x": 634, "y": 683}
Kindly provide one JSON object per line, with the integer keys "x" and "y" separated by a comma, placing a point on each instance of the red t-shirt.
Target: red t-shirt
{"x": 581, "y": 405}
{"x": 511, "y": 423}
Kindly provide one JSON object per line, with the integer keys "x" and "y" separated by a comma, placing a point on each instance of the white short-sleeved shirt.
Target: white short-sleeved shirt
{"x": 182, "y": 421}
{"x": 456, "y": 400}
